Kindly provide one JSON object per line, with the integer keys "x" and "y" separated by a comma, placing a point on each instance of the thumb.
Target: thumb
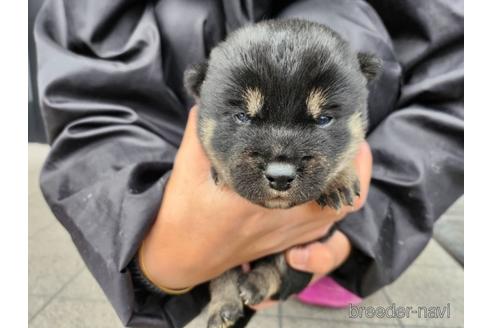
{"x": 316, "y": 258}
{"x": 320, "y": 258}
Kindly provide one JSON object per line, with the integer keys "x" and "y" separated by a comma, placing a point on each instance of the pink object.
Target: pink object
{"x": 328, "y": 293}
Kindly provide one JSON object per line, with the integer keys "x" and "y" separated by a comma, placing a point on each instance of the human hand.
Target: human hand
{"x": 202, "y": 230}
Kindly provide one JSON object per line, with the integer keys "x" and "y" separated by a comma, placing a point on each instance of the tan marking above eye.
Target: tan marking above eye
{"x": 254, "y": 101}
{"x": 315, "y": 101}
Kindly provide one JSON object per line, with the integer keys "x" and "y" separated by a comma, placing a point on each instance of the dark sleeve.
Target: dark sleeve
{"x": 114, "y": 125}
{"x": 418, "y": 142}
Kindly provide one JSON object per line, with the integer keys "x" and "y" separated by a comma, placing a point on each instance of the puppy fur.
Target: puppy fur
{"x": 281, "y": 91}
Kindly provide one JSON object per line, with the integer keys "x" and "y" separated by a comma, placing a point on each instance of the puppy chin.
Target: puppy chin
{"x": 278, "y": 203}
{"x": 274, "y": 199}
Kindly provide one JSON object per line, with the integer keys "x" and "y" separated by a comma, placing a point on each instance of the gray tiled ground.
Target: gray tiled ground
{"x": 62, "y": 293}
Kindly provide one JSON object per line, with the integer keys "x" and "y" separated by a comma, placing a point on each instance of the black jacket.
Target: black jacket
{"x": 111, "y": 91}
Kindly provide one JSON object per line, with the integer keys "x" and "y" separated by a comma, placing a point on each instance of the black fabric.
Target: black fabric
{"x": 110, "y": 88}
{"x": 35, "y": 130}
{"x": 248, "y": 314}
{"x": 294, "y": 281}
{"x": 139, "y": 278}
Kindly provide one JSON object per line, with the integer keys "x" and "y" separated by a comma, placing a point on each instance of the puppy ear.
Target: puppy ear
{"x": 194, "y": 77}
{"x": 370, "y": 65}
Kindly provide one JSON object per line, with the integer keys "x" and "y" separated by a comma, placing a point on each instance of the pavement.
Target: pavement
{"x": 62, "y": 292}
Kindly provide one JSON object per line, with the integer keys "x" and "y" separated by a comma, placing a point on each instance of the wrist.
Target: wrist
{"x": 151, "y": 280}
{"x": 166, "y": 269}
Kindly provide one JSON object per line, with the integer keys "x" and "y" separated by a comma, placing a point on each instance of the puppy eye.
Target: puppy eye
{"x": 242, "y": 118}
{"x": 324, "y": 121}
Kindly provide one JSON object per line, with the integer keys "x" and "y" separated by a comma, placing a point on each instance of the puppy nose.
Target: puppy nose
{"x": 280, "y": 175}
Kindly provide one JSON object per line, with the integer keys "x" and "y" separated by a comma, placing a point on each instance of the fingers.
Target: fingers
{"x": 191, "y": 156}
{"x": 363, "y": 168}
{"x": 320, "y": 258}
{"x": 246, "y": 267}
{"x": 312, "y": 211}
{"x": 264, "y": 305}
{"x": 191, "y": 127}
{"x": 308, "y": 236}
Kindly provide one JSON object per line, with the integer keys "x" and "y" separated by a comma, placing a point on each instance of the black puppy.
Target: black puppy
{"x": 283, "y": 109}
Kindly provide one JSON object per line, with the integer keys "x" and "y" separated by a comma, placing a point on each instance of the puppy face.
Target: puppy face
{"x": 282, "y": 109}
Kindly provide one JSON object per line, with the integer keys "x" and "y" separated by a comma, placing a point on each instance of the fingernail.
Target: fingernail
{"x": 299, "y": 257}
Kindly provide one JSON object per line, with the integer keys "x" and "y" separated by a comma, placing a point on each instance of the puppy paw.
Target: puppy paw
{"x": 333, "y": 200}
{"x": 252, "y": 288}
{"x": 225, "y": 315}
{"x": 340, "y": 193}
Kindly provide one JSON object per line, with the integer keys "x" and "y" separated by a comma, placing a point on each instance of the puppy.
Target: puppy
{"x": 283, "y": 109}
